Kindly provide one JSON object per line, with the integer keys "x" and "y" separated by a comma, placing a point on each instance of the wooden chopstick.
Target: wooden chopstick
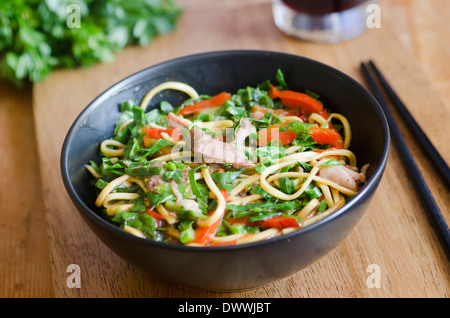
{"x": 410, "y": 164}
{"x": 432, "y": 153}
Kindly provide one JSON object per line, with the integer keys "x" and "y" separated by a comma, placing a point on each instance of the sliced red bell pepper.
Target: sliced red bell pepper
{"x": 302, "y": 102}
{"x": 152, "y": 134}
{"x": 278, "y": 222}
{"x": 214, "y": 101}
{"x": 204, "y": 234}
{"x": 327, "y": 136}
{"x": 340, "y": 142}
{"x": 267, "y": 135}
{"x": 224, "y": 193}
{"x": 155, "y": 133}
{"x": 305, "y": 103}
{"x": 273, "y": 132}
{"x": 273, "y": 92}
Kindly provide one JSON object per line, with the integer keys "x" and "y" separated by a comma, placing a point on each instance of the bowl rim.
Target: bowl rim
{"x": 124, "y": 84}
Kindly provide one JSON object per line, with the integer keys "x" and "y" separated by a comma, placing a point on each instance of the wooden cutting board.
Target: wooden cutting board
{"x": 395, "y": 234}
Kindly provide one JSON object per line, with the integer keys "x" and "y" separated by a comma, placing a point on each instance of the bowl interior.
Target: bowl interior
{"x": 211, "y": 73}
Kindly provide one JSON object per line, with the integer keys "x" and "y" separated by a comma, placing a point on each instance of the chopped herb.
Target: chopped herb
{"x": 38, "y": 37}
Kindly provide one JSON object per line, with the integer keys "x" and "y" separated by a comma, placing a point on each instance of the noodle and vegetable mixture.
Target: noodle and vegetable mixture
{"x": 227, "y": 169}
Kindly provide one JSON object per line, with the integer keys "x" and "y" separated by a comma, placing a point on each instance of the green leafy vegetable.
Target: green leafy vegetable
{"x": 222, "y": 179}
{"x": 322, "y": 206}
{"x": 267, "y": 208}
{"x": 250, "y": 96}
{"x": 164, "y": 193}
{"x": 36, "y": 37}
{"x": 281, "y": 81}
{"x": 199, "y": 190}
{"x": 187, "y": 232}
{"x": 138, "y": 170}
{"x": 286, "y": 185}
{"x": 140, "y": 221}
{"x": 313, "y": 192}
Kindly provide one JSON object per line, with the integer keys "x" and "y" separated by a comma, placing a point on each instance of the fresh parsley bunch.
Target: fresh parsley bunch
{"x": 38, "y": 36}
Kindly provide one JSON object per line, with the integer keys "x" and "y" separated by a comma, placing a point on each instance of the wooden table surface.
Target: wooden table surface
{"x": 42, "y": 234}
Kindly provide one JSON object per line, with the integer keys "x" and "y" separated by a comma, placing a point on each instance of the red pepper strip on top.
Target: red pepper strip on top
{"x": 339, "y": 144}
{"x": 327, "y": 136}
{"x": 273, "y": 132}
{"x": 214, "y": 101}
{"x": 304, "y": 103}
{"x": 267, "y": 135}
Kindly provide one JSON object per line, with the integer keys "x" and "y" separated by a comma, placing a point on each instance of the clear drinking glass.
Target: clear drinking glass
{"x": 328, "y": 21}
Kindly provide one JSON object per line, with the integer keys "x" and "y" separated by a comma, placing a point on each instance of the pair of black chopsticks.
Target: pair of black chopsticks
{"x": 432, "y": 153}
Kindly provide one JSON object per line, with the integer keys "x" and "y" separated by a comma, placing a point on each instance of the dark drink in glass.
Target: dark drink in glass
{"x": 328, "y": 21}
{"x": 319, "y": 7}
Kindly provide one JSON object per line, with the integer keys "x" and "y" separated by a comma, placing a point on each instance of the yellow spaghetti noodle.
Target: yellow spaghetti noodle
{"x": 116, "y": 150}
{"x": 189, "y": 90}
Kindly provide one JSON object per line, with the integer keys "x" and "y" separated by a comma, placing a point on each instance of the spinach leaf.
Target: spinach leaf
{"x": 186, "y": 214}
{"x": 268, "y": 119}
{"x": 286, "y": 185}
{"x": 140, "y": 221}
{"x": 322, "y": 206}
{"x": 166, "y": 107}
{"x": 281, "y": 81}
{"x": 225, "y": 178}
{"x": 110, "y": 168}
{"x": 199, "y": 190}
{"x": 299, "y": 127}
{"x": 303, "y": 134}
{"x": 231, "y": 109}
{"x": 176, "y": 175}
{"x": 187, "y": 232}
{"x": 136, "y": 169}
{"x": 100, "y": 183}
{"x": 264, "y": 207}
{"x": 264, "y": 193}
{"x": 164, "y": 193}
{"x": 156, "y": 116}
{"x": 175, "y": 165}
{"x": 331, "y": 162}
{"x": 238, "y": 228}
{"x": 251, "y": 96}
{"x": 313, "y": 192}
{"x": 139, "y": 205}
{"x": 157, "y": 146}
{"x": 305, "y": 166}
{"x": 273, "y": 152}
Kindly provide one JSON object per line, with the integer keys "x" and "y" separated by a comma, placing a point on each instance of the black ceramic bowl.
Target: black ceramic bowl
{"x": 228, "y": 267}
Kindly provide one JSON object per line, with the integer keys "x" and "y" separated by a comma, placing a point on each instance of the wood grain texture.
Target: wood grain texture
{"x": 24, "y": 265}
{"x": 394, "y": 234}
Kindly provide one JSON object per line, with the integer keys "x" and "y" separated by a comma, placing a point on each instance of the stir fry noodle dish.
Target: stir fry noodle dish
{"x": 227, "y": 169}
